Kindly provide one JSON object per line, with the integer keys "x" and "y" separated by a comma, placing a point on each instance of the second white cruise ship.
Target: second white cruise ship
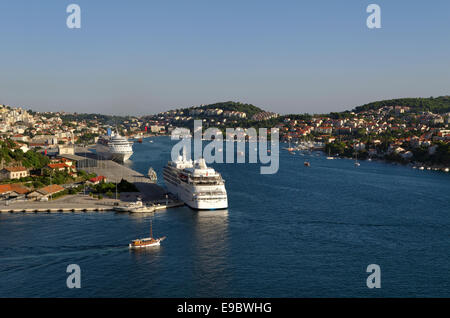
{"x": 195, "y": 184}
{"x": 114, "y": 147}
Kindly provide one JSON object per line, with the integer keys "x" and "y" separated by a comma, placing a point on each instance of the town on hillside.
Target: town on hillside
{"x": 35, "y": 147}
{"x": 394, "y": 133}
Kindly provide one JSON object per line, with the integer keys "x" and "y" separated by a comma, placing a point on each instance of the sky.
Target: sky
{"x": 144, "y": 56}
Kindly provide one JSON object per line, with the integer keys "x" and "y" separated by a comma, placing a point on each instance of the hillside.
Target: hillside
{"x": 106, "y": 119}
{"x": 249, "y": 109}
{"x": 434, "y": 104}
{"x": 10, "y": 155}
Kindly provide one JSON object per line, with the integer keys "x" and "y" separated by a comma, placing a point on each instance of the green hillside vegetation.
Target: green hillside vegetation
{"x": 105, "y": 119}
{"x": 30, "y": 159}
{"x": 433, "y": 104}
{"x": 249, "y": 109}
{"x": 51, "y": 177}
{"x": 441, "y": 155}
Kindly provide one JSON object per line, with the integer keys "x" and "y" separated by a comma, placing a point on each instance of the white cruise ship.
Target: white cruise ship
{"x": 195, "y": 184}
{"x": 114, "y": 147}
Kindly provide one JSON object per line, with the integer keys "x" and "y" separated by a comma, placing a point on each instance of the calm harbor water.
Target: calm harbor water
{"x": 303, "y": 232}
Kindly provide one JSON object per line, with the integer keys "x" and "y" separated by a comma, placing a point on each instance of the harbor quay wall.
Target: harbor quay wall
{"x": 78, "y": 203}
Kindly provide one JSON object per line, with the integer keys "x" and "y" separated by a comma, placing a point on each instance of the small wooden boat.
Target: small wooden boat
{"x": 147, "y": 241}
{"x": 307, "y": 164}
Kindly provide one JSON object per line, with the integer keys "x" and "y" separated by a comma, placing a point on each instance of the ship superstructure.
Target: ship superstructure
{"x": 197, "y": 185}
{"x": 114, "y": 147}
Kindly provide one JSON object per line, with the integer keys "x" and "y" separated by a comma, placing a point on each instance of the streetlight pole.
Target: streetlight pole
{"x": 50, "y": 183}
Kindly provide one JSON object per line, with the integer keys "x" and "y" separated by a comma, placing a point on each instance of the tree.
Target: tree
{"x": 336, "y": 148}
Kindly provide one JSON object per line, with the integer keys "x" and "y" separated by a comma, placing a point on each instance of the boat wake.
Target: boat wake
{"x": 81, "y": 250}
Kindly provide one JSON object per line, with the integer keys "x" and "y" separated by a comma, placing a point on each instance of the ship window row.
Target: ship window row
{"x": 205, "y": 178}
{"x": 199, "y": 194}
{"x": 209, "y": 199}
{"x": 206, "y": 183}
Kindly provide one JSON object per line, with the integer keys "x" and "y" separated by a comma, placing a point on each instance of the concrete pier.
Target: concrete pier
{"x": 69, "y": 203}
{"x": 114, "y": 172}
{"x": 54, "y": 210}
{"x": 151, "y": 193}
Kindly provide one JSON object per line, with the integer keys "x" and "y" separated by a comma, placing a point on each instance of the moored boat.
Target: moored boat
{"x": 290, "y": 149}
{"x": 129, "y": 207}
{"x": 199, "y": 186}
{"x": 329, "y": 155}
{"x": 114, "y": 147}
{"x": 357, "y": 164}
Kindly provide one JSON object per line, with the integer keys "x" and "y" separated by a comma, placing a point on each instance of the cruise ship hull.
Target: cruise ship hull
{"x": 105, "y": 153}
{"x": 120, "y": 157}
{"x": 187, "y": 197}
{"x": 198, "y": 186}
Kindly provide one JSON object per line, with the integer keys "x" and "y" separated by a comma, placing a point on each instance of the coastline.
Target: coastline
{"x": 411, "y": 164}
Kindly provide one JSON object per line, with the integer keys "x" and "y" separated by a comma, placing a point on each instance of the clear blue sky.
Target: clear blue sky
{"x": 142, "y": 57}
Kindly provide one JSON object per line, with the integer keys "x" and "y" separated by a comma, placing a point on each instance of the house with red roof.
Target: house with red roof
{"x": 97, "y": 180}
{"x": 12, "y": 190}
{"x": 45, "y": 192}
{"x": 59, "y": 166}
